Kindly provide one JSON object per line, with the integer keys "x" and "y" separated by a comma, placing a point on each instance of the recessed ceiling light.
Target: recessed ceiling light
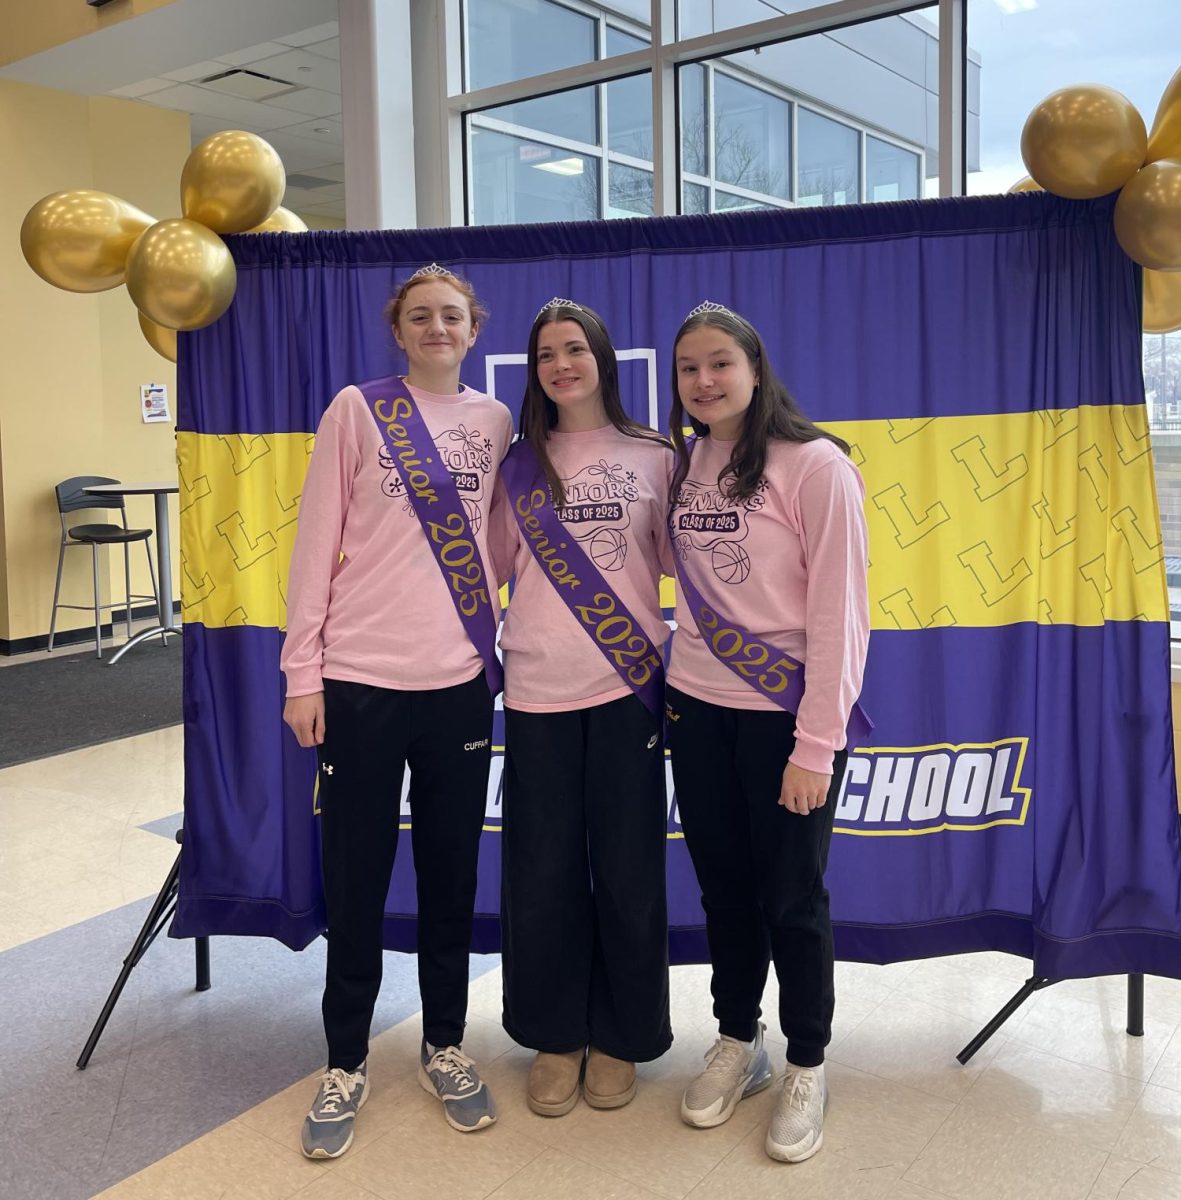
{"x": 562, "y": 166}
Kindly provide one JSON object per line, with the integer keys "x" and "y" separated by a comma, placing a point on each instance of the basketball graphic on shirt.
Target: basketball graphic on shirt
{"x": 474, "y": 517}
{"x": 730, "y": 562}
{"x": 608, "y": 549}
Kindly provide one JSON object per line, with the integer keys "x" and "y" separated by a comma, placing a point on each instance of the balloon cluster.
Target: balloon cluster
{"x": 178, "y": 272}
{"x": 1089, "y": 140}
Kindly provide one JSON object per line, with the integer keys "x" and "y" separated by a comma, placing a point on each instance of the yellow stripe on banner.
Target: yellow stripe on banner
{"x": 974, "y": 521}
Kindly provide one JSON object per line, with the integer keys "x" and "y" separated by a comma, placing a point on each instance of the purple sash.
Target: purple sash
{"x": 773, "y": 674}
{"x": 437, "y": 505}
{"x": 588, "y": 596}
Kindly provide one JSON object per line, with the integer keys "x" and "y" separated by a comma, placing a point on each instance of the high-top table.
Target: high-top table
{"x": 159, "y": 493}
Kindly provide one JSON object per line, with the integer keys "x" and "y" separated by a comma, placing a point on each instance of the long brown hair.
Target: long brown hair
{"x": 773, "y": 412}
{"x": 539, "y": 414}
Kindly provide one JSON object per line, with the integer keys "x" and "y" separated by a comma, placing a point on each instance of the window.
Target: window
{"x": 891, "y": 172}
{"x": 830, "y": 161}
{"x": 512, "y": 39}
{"x": 517, "y": 181}
{"x": 752, "y": 137}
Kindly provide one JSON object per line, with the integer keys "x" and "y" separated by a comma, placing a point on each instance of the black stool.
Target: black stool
{"x": 72, "y": 498}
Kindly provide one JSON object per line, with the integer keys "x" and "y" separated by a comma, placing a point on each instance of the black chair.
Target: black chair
{"x": 72, "y": 498}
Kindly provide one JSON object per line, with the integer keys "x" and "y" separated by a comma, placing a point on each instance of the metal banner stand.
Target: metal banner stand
{"x": 1035, "y": 983}
{"x": 161, "y": 911}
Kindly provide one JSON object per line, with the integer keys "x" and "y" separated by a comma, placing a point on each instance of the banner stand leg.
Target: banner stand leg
{"x": 1035, "y": 983}
{"x": 158, "y": 916}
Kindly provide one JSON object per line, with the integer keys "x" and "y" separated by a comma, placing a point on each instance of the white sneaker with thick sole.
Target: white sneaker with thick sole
{"x": 733, "y": 1071}
{"x": 796, "y": 1131}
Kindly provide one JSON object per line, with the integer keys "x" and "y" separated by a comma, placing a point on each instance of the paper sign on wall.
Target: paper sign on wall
{"x": 153, "y": 402}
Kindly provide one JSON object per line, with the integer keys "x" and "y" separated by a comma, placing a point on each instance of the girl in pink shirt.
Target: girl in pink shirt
{"x": 583, "y": 920}
{"x": 382, "y": 672}
{"x": 767, "y": 526}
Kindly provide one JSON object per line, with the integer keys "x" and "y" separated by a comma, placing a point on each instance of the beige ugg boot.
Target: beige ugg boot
{"x": 610, "y": 1082}
{"x": 553, "y": 1083}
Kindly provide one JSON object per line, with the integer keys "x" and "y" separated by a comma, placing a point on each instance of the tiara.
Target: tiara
{"x": 558, "y": 302}
{"x": 707, "y": 306}
{"x": 432, "y": 270}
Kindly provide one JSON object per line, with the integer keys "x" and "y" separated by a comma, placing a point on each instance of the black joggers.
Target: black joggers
{"x": 371, "y": 735}
{"x": 584, "y": 925}
{"x": 760, "y": 867}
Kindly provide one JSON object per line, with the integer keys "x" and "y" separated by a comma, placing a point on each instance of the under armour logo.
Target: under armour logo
{"x": 653, "y": 740}
{"x": 327, "y": 768}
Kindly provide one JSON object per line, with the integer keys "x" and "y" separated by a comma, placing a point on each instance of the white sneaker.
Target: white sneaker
{"x": 796, "y": 1131}
{"x": 733, "y": 1071}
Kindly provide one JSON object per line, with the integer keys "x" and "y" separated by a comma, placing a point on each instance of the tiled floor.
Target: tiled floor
{"x": 209, "y": 1090}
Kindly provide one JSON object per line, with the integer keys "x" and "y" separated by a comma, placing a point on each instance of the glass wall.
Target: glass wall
{"x": 842, "y": 117}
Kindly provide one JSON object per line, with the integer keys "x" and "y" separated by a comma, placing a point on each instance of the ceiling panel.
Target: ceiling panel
{"x": 134, "y": 90}
{"x": 196, "y": 71}
{"x": 246, "y": 113}
{"x": 326, "y": 129}
{"x": 310, "y": 70}
{"x": 329, "y": 49}
{"x": 316, "y": 34}
{"x": 310, "y": 101}
{"x": 249, "y": 54}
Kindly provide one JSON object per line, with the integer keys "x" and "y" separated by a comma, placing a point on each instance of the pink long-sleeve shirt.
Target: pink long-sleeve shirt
{"x": 616, "y": 502}
{"x": 789, "y": 565}
{"x": 366, "y": 601}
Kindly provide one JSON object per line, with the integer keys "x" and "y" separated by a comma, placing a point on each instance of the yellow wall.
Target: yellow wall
{"x": 31, "y": 26}
{"x": 71, "y": 365}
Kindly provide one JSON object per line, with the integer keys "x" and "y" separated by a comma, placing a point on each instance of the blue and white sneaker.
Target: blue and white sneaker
{"x": 733, "y": 1071}
{"x": 796, "y": 1131}
{"x": 447, "y": 1073}
{"x": 328, "y": 1127}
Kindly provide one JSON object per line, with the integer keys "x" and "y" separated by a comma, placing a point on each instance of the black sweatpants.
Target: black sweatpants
{"x": 760, "y": 868}
{"x": 371, "y": 735}
{"x": 584, "y": 920}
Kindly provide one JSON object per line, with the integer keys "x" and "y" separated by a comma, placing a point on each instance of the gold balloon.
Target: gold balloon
{"x": 1026, "y": 184}
{"x": 231, "y": 182}
{"x": 1162, "y": 301}
{"x": 1148, "y": 216}
{"x": 1084, "y": 141}
{"x": 162, "y": 340}
{"x": 79, "y": 240}
{"x": 1165, "y": 139}
{"x": 282, "y": 220}
{"x": 180, "y": 274}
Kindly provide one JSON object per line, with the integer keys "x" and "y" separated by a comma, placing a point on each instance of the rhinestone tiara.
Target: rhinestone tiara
{"x": 558, "y": 302}
{"x": 432, "y": 270}
{"x": 708, "y": 306}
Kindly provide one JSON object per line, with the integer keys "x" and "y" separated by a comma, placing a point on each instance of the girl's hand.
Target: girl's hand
{"x": 802, "y": 791}
{"x": 305, "y": 716}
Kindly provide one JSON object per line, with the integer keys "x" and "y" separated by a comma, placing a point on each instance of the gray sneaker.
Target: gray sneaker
{"x": 447, "y": 1073}
{"x": 328, "y": 1128}
{"x": 796, "y": 1131}
{"x": 732, "y": 1072}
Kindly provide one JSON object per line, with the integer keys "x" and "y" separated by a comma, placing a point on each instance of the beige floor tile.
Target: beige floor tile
{"x": 1124, "y": 1179}
{"x": 229, "y": 1161}
{"x": 1153, "y": 1132}
{"x": 975, "y": 1156}
{"x": 18, "y": 927}
{"x": 916, "y": 1044}
{"x": 748, "y": 1173}
{"x": 1059, "y": 1097}
{"x": 909, "y": 1191}
{"x": 333, "y": 1187}
{"x": 1093, "y": 1034}
{"x": 426, "y": 1157}
{"x": 964, "y": 986}
{"x": 556, "y": 1176}
{"x": 1168, "y": 1068}
{"x": 1162, "y": 997}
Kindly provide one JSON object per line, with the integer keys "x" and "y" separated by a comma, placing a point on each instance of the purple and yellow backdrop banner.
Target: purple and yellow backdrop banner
{"x": 983, "y": 358}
